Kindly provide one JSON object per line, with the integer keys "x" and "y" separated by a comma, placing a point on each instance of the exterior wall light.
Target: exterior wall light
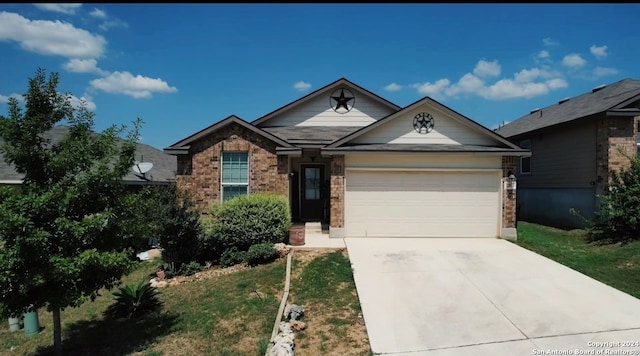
{"x": 511, "y": 184}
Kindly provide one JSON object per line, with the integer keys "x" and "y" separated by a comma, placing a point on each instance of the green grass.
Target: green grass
{"x": 616, "y": 265}
{"x": 326, "y": 288}
{"x": 229, "y": 314}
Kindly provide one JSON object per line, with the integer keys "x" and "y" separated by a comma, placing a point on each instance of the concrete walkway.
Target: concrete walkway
{"x": 484, "y": 297}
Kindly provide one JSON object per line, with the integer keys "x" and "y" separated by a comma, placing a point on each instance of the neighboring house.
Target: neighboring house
{"x": 162, "y": 172}
{"x": 575, "y": 145}
{"x": 348, "y": 158}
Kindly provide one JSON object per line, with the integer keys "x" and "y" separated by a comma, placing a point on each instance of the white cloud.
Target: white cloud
{"x": 529, "y": 75}
{"x": 543, "y": 54}
{"x": 98, "y": 13}
{"x": 573, "y": 60}
{"x": 550, "y": 42}
{"x": 50, "y": 37}
{"x": 393, "y": 87}
{"x": 68, "y": 9}
{"x": 136, "y": 87}
{"x": 113, "y": 23}
{"x": 557, "y": 83}
{"x": 4, "y": 99}
{"x": 432, "y": 89}
{"x": 469, "y": 83}
{"x": 108, "y": 22}
{"x": 508, "y": 89}
{"x": 302, "y": 86}
{"x": 599, "y": 52}
{"x": 85, "y": 101}
{"x": 604, "y": 71}
{"x": 84, "y": 66}
{"x": 487, "y": 69}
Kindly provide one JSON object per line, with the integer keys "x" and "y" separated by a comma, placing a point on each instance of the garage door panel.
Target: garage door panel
{"x": 422, "y": 204}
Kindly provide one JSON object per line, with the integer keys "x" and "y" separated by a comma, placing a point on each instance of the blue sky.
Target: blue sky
{"x": 183, "y": 67}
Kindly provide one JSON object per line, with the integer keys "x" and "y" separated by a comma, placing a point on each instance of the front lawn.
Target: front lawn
{"x": 218, "y": 312}
{"x": 615, "y": 265}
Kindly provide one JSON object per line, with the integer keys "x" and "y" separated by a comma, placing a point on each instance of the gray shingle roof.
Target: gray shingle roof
{"x": 594, "y": 102}
{"x": 163, "y": 171}
{"x": 310, "y": 134}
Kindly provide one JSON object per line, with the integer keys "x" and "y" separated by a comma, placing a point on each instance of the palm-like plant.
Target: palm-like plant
{"x": 132, "y": 301}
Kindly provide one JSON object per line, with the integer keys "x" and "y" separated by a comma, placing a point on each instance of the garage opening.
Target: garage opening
{"x": 422, "y": 203}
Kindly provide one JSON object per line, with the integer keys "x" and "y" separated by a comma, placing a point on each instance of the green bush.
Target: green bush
{"x": 617, "y": 216}
{"x": 245, "y": 221}
{"x": 179, "y": 229}
{"x": 232, "y": 257}
{"x": 261, "y": 254}
{"x": 132, "y": 301}
{"x": 190, "y": 268}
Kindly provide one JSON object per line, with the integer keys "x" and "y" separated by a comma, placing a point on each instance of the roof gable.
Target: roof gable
{"x": 450, "y": 128}
{"x": 619, "y": 95}
{"x": 183, "y": 145}
{"x": 315, "y": 109}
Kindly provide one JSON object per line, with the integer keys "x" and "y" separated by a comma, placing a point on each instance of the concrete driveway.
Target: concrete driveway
{"x": 484, "y": 297}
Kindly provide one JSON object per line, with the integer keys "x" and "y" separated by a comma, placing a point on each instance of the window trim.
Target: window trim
{"x": 234, "y": 184}
{"x": 522, "y": 158}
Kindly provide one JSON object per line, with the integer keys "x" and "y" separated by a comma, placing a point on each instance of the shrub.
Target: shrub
{"x": 261, "y": 254}
{"x": 245, "y": 221}
{"x": 617, "y": 216}
{"x": 132, "y": 301}
{"x": 180, "y": 230}
{"x": 190, "y": 268}
{"x": 232, "y": 257}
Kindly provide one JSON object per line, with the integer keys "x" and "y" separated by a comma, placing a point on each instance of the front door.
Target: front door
{"x": 311, "y": 194}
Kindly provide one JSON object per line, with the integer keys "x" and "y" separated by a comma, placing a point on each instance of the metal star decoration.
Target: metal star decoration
{"x": 342, "y": 101}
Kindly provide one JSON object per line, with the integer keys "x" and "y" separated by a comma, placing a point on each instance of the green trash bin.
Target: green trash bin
{"x": 31, "y": 323}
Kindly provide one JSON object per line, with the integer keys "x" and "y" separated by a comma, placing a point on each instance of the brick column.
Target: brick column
{"x": 508, "y": 228}
{"x": 614, "y": 134}
{"x": 336, "y": 221}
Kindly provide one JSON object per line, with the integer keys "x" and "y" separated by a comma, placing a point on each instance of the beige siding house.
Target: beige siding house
{"x": 360, "y": 165}
{"x": 575, "y": 144}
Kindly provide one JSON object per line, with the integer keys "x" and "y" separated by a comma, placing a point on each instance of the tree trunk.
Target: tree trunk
{"x": 57, "y": 332}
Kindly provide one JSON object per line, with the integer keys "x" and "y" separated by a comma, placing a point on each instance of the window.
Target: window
{"x": 525, "y": 162}
{"x": 235, "y": 174}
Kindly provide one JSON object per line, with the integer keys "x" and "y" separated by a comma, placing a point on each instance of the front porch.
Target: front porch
{"x": 317, "y": 236}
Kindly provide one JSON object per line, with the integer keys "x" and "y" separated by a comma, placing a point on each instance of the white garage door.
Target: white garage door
{"x": 422, "y": 204}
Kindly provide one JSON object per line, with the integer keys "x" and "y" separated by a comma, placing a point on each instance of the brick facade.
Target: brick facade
{"x": 614, "y": 134}
{"x": 199, "y": 172}
{"x": 336, "y": 219}
{"x": 509, "y": 164}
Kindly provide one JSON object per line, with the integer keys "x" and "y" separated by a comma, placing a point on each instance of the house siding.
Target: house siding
{"x": 199, "y": 172}
{"x": 446, "y": 130}
{"x": 318, "y": 112}
{"x": 565, "y": 158}
{"x": 570, "y": 167}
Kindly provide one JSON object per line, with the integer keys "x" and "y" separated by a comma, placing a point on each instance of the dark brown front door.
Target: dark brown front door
{"x": 311, "y": 207}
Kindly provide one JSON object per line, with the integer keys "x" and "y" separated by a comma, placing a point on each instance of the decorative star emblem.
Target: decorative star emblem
{"x": 342, "y": 104}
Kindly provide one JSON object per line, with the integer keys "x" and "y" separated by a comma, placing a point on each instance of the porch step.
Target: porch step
{"x": 313, "y": 228}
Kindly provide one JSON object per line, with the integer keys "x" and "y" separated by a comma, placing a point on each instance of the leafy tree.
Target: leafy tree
{"x": 61, "y": 238}
{"x": 179, "y": 228}
{"x": 617, "y": 216}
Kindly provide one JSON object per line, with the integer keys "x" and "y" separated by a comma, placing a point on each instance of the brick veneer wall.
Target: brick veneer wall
{"x": 509, "y": 164}
{"x": 199, "y": 172}
{"x": 337, "y": 191}
{"x": 613, "y": 134}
